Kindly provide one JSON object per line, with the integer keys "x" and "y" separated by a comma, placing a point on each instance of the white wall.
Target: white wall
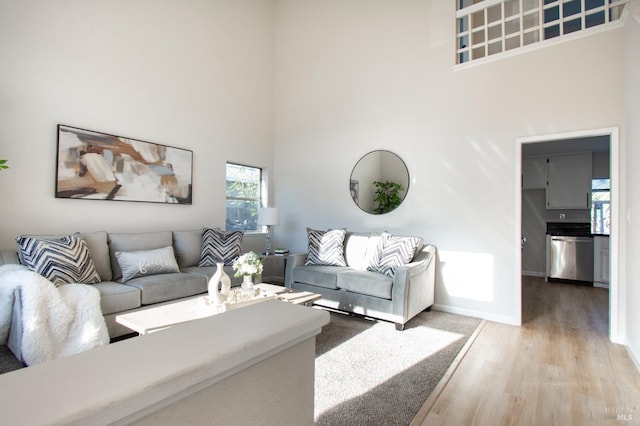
{"x": 195, "y": 75}
{"x": 353, "y": 76}
{"x": 631, "y": 157}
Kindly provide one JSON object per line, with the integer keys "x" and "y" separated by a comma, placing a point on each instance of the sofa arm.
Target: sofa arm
{"x": 8, "y": 257}
{"x": 14, "y": 341}
{"x": 293, "y": 260}
{"x": 414, "y": 284}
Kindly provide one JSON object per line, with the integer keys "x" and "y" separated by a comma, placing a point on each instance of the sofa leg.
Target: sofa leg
{"x": 399, "y": 326}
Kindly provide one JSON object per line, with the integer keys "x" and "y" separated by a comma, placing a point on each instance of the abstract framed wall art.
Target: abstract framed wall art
{"x": 99, "y": 166}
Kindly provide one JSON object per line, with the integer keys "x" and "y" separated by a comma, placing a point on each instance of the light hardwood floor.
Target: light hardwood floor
{"x": 558, "y": 368}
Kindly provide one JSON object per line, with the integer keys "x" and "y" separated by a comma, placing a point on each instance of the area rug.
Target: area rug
{"x": 367, "y": 373}
{"x": 8, "y": 361}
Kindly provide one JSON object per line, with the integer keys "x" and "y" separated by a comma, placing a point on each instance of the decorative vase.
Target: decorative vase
{"x": 247, "y": 282}
{"x": 219, "y": 295}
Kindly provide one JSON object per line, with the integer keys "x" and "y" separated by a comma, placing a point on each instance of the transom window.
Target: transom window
{"x": 244, "y": 197}
{"x": 489, "y": 27}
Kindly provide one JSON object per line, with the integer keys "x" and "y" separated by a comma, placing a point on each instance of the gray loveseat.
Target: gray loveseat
{"x": 353, "y": 288}
{"x": 117, "y": 297}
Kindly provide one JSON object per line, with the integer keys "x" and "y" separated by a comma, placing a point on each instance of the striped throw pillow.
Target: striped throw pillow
{"x": 326, "y": 247}
{"x": 220, "y": 246}
{"x": 63, "y": 260}
{"x": 393, "y": 252}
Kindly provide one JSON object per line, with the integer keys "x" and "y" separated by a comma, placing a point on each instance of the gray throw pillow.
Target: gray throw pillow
{"x": 326, "y": 247}
{"x": 146, "y": 262}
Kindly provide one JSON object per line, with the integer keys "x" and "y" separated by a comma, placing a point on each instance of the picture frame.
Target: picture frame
{"x": 100, "y": 166}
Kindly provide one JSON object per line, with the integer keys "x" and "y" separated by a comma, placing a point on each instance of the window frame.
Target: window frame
{"x": 487, "y": 29}
{"x": 260, "y": 200}
{"x": 600, "y": 221}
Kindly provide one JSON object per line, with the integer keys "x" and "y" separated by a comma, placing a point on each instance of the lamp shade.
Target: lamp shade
{"x": 268, "y": 216}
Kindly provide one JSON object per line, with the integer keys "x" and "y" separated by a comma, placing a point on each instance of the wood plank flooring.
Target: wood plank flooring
{"x": 558, "y": 368}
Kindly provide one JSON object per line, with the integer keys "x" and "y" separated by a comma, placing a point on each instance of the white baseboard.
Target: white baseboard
{"x": 504, "y": 319}
{"x": 632, "y": 355}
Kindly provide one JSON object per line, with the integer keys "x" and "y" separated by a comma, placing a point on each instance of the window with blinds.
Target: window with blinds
{"x": 490, "y": 27}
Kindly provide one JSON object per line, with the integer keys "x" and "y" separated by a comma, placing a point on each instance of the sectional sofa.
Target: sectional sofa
{"x": 372, "y": 274}
{"x": 118, "y": 295}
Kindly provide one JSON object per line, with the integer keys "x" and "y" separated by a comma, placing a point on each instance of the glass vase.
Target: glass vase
{"x": 247, "y": 282}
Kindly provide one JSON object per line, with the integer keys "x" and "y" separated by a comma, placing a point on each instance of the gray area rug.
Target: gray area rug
{"x": 8, "y": 361}
{"x": 367, "y": 373}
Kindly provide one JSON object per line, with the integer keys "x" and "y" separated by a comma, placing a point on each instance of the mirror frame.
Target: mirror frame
{"x": 369, "y": 162}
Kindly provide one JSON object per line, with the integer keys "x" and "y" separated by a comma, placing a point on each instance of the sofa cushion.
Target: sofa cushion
{"x": 319, "y": 275}
{"x": 393, "y": 252}
{"x": 208, "y": 271}
{"x": 62, "y": 260}
{"x": 188, "y": 247}
{"x": 220, "y": 246}
{"x": 116, "y": 297}
{"x": 135, "y": 242}
{"x": 366, "y": 282}
{"x": 146, "y": 262}
{"x": 326, "y": 247}
{"x": 163, "y": 287}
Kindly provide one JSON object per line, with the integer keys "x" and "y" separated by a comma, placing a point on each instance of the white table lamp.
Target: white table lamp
{"x": 268, "y": 216}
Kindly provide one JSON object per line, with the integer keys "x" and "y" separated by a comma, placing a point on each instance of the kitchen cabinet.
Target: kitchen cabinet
{"x": 568, "y": 183}
{"x": 601, "y": 261}
{"x": 534, "y": 173}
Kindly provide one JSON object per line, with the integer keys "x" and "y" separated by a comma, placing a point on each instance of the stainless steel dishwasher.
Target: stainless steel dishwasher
{"x": 570, "y": 257}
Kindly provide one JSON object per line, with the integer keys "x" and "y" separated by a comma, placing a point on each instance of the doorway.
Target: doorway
{"x": 574, "y": 142}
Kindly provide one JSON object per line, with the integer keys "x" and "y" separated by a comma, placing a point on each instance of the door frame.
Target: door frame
{"x": 616, "y": 311}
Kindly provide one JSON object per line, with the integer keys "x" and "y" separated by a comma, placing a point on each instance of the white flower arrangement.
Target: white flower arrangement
{"x": 248, "y": 264}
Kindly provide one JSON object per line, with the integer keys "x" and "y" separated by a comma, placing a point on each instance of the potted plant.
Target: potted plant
{"x": 387, "y": 196}
{"x": 3, "y": 164}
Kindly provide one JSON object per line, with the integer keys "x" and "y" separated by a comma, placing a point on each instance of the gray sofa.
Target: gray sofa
{"x": 355, "y": 289}
{"x": 117, "y": 297}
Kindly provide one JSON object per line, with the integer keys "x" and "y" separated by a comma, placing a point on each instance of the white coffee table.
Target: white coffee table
{"x": 158, "y": 317}
{"x": 288, "y": 295}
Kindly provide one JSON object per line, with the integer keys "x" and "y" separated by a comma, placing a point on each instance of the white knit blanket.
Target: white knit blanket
{"x": 57, "y": 321}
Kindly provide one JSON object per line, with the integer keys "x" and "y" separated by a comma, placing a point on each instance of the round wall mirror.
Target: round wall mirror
{"x": 379, "y": 182}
